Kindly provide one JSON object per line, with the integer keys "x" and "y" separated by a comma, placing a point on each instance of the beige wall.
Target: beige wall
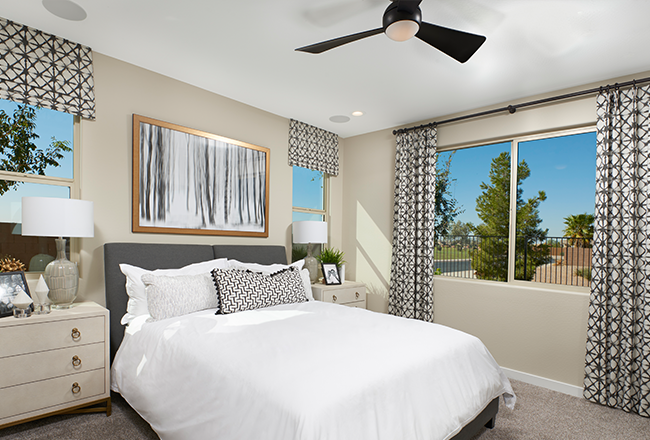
{"x": 122, "y": 89}
{"x": 529, "y": 329}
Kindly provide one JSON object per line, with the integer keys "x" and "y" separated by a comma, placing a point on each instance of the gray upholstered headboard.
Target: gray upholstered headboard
{"x": 167, "y": 256}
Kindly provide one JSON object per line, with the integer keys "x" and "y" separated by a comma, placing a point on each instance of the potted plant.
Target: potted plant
{"x": 333, "y": 256}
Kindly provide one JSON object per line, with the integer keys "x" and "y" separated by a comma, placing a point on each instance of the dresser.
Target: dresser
{"x": 54, "y": 363}
{"x": 349, "y": 293}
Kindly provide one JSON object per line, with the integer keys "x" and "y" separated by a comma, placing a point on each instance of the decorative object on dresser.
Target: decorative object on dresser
{"x": 187, "y": 181}
{"x": 54, "y": 363}
{"x": 330, "y": 274}
{"x": 350, "y": 293}
{"x": 333, "y": 256}
{"x": 310, "y": 232}
{"x": 42, "y": 307}
{"x": 14, "y": 295}
{"x": 74, "y": 218}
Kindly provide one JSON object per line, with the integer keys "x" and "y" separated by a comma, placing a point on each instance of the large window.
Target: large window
{"x": 36, "y": 159}
{"x": 532, "y": 222}
{"x": 309, "y": 201}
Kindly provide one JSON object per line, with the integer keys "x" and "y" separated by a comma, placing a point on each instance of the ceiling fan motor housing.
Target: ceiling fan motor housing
{"x": 395, "y": 14}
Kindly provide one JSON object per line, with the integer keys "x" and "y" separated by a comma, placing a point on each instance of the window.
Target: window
{"x": 48, "y": 171}
{"x": 552, "y": 194}
{"x": 309, "y": 201}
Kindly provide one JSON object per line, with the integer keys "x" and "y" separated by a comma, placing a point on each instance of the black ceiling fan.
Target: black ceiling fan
{"x": 403, "y": 20}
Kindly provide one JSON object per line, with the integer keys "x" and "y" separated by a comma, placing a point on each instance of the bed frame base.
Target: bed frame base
{"x": 487, "y": 419}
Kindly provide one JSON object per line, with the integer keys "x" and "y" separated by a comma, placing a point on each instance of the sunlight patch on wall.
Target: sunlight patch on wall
{"x": 373, "y": 254}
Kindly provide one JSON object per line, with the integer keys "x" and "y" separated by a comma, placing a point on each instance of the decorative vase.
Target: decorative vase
{"x": 342, "y": 272}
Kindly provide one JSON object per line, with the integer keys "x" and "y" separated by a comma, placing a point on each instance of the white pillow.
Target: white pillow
{"x": 137, "y": 304}
{"x": 272, "y": 268}
{"x": 169, "y": 296}
{"x": 266, "y": 268}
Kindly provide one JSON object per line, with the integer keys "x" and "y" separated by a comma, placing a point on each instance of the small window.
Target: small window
{"x": 309, "y": 201}
{"x": 45, "y": 168}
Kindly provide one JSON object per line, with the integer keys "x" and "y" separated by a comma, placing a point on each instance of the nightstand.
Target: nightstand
{"x": 349, "y": 293}
{"x": 54, "y": 363}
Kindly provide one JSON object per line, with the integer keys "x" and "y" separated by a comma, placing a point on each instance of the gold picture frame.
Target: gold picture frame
{"x": 187, "y": 181}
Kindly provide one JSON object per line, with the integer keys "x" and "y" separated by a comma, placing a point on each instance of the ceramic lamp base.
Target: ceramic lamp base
{"x": 62, "y": 277}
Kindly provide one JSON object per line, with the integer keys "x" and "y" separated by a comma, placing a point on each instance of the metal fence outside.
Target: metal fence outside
{"x": 552, "y": 260}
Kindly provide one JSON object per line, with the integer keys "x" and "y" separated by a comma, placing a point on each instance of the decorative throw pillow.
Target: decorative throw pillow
{"x": 273, "y": 268}
{"x": 241, "y": 290}
{"x": 169, "y": 296}
{"x": 137, "y": 304}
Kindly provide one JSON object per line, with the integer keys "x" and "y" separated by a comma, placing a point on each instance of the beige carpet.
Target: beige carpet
{"x": 540, "y": 414}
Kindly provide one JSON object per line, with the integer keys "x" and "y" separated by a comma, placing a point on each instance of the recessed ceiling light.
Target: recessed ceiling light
{"x": 340, "y": 118}
{"x": 357, "y": 113}
{"x": 65, "y": 9}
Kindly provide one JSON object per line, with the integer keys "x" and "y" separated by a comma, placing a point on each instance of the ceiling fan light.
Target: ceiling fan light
{"x": 402, "y": 30}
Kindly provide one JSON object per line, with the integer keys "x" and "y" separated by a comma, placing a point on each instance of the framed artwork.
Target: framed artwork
{"x": 331, "y": 273}
{"x": 11, "y": 283}
{"x": 188, "y": 181}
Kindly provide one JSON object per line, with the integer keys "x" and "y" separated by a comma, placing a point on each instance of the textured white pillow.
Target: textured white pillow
{"x": 137, "y": 304}
{"x": 169, "y": 296}
{"x": 272, "y": 268}
{"x": 241, "y": 290}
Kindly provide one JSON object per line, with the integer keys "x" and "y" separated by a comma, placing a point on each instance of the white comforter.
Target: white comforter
{"x": 310, "y": 371}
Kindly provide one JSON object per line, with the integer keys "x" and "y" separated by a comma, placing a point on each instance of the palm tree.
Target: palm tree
{"x": 580, "y": 229}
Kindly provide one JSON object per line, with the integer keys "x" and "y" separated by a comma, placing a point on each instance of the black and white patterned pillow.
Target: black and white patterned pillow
{"x": 241, "y": 290}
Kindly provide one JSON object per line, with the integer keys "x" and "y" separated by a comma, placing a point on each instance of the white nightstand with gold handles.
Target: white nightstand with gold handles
{"x": 350, "y": 293}
{"x": 55, "y": 363}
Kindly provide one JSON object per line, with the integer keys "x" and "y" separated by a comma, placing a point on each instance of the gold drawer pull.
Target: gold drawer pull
{"x": 356, "y": 294}
{"x": 76, "y": 389}
{"x": 76, "y": 362}
{"x": 333, "y": 298}
{"x": 76, "y": 334}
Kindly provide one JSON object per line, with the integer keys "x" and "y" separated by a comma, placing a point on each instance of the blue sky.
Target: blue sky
{"x": 48, "y": 123}
{"x": 563, "y": 167}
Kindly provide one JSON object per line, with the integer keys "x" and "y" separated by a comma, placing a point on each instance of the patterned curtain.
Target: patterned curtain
{"x": 412, "y": 267}
{"x": 46, "y": 71}
{"x": 617, "y": 371}
{"x": 314, "y": 148}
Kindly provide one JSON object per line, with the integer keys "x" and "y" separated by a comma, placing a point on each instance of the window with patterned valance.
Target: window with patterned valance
{"x": 314, "y": 148}
{"x": 44, "y": 70}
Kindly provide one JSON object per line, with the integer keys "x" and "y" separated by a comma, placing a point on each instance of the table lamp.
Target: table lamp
{"x": 310, "y": 232}
{"x": 56, "y": 217}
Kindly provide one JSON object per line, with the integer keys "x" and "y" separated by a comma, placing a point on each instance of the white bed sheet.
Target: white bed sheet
{"x": 310, "y": 371}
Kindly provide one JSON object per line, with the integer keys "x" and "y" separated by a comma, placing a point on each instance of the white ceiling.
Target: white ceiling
{"x": 244, "y": 50}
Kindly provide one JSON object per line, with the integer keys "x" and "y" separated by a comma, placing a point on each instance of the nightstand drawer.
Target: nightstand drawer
{"x": 358, "y": 304}
{"x": 28, "y": 338}
{"x": 343, "y": 296}
{"x": 33, "y": 367}
{"x": 49, "y": 394}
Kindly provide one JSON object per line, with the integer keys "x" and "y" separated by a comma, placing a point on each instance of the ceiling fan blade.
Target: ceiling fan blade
{"x": 336, "y": 42}
{"x": 457, "y": 44}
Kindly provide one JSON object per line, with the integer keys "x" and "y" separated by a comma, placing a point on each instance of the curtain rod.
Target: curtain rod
{"x": 513, "y": 108}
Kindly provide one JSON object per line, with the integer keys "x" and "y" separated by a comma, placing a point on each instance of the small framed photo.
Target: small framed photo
{"x": 11, "y": 283}
{"x": 331, "y": 273}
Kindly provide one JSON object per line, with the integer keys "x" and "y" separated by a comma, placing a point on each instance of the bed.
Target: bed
{"x": 306, "y": 370}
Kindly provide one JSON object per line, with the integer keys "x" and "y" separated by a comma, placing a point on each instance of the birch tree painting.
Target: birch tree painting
{"x": 194, "y": 182}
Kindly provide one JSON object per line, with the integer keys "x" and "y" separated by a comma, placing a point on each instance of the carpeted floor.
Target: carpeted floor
{"x": 540, "y": 414}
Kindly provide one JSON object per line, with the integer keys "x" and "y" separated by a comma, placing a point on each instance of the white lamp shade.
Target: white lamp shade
{"x": 56, "y": 217}
{"x": 309, "y": 232}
